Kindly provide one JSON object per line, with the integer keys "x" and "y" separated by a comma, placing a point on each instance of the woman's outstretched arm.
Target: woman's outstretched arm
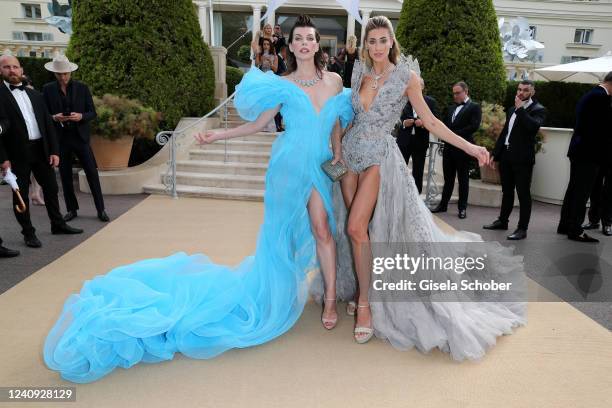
{"x": 243, "y": 130}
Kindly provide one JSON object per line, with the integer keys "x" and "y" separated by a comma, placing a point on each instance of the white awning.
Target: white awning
{"x": 597, "y": 68}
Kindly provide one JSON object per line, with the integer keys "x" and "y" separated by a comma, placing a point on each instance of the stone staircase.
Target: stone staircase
{"x": 236, "y": 168}
{"x": 232, "y": 169}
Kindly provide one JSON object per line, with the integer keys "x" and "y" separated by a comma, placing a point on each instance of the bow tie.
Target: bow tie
{"x": 20, "y": 87}
{"x": 461, "y": 104}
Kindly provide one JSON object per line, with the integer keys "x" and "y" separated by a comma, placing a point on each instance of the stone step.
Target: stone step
{"x": 239, "y": 181}
{"x": 232, "y": 156}
{"x": 239, "y": 145}
{"x": 217, "y": 167}
{"x": 208, "y": 192}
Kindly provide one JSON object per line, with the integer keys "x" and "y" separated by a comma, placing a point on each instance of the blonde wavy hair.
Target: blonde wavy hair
{"x": 372, "y": 24}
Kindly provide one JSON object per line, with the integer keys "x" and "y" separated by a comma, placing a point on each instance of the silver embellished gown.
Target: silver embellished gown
{"x": 463, "y": 328}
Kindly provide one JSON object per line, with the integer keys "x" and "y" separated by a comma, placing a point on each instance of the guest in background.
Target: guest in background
{"x": 413, "y": 138}
{"x": 29, "y": 145}
{"x": 601, "y": 202}
{"x": 278, "y": 38}
{"x": 348, "y": 55}
{"x": 266, "y": 33}
{"x": 589, "y": 151}
{"x": 515, "y": 153}
{"x": 72, "y": 109}
{"x": 463, "y": 118}
{"x": 267, "y": 60}
{"x": 35, "y": 189}
{"x": 334, "y": 66}
{"x": 282, "y": 68}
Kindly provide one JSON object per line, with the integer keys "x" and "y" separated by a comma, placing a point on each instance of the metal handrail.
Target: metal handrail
{"x": 165, "y": 136}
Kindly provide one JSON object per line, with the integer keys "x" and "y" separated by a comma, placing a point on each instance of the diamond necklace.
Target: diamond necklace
{"x": 306, "y": 82}
{"x": 377, "y": 77}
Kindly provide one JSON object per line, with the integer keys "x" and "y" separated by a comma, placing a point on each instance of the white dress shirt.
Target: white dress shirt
{"x": 526, "y": 104}
{"x": 458, "y": 108}
{"x": 25, "y": 105}
{"x": 605, "y": 89}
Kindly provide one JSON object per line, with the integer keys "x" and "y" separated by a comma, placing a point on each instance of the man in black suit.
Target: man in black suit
{"x": 515, "y": 153}
{"x": 413, "y": 138}
{"x": 71, "y": 106}
{"x": 463, "y": 118}
{"x": 29, "y": 145}
{"x": 601, "y": 202}
{"x": 4, "y": 124}
{"x": 588, "y": 151}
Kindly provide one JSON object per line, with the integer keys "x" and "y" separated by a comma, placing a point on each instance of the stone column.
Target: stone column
{"x": 219, "y": 55}
{"x": 256, "y": 18}
{"x": 203, "y": 19}
{"x": 350, "y": 26}
{"x": 365, "y": 15}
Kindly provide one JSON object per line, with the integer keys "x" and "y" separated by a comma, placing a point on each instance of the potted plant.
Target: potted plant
{"x": 491, "y": 126}
{"x": 119, "y": 121}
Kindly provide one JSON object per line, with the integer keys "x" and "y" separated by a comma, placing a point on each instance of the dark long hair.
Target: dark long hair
{"x": 304, "y": 21}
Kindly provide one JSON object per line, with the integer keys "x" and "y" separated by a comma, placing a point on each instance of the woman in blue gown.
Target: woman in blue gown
{"x": 154, "y": 308}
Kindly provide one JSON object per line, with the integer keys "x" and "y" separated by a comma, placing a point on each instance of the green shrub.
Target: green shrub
{"x": 244, "y": 53}
{"x": 34, "y": 68}
{"x": 118, "y": 117}
{"x": 233, "y": 76}
{"x": 149, "y": 50}
{"x": 454, "y": 41}
{"x": 559, "y": 98}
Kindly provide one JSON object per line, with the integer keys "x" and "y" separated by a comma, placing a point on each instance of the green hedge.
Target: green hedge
{"x": 453, "y": 41}
{"x": 34, "y": 68}
{"x": 149, "y": 50}
{"x": 233, "y": 76}
{"x": 559, "y": 98}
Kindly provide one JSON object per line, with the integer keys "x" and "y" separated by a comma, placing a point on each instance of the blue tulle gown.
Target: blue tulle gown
{"x": 183, "y": 303}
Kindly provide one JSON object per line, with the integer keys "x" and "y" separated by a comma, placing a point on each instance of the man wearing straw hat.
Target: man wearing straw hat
{"x": 29, "y": 145}
{"x": 71, "y": 106}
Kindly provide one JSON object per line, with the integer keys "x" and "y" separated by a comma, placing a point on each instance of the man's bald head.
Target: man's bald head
{"x": 11, "y": 69}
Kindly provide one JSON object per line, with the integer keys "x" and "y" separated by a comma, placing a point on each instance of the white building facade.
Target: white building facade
{"x": 571, "y": 30}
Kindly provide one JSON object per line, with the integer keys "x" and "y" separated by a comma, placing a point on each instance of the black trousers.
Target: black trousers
{"x": 516, "y": 176}
{"x": 70, "y": 145}
{"x": 455, "y": 163}
{"x": 278, "y": 121}
{"x": 601, "y": 197}
{"x": 582, "y": 178}
{"x": 417, "y": 153}
{"x": 44, "y": 174}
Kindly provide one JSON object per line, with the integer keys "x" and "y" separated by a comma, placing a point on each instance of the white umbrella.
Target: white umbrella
{"x": 596, "y": 67}
{"x": 11, "y": 180}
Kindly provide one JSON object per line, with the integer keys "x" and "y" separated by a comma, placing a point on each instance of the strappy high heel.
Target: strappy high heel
{"x": 328, "y": 323}
{"x": 363, "y": 334}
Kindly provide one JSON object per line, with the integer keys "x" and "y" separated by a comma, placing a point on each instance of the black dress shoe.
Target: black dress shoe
{"x": 496, "y": 225}
{"x": 70, "y": 215}
{"x": 32, "y": 241}
{"x": 462, "y": 214}
{"x": 65, "y": 229}
{"x": 590, "y": 226}
{"x": 102, "y": 216}
{"x": 7, "y": 253}
{"x": 439, "y": 209}
{"x": 583, "y": 238}
{"x": 607, "y": 230}
{"x": 518, "y": 235}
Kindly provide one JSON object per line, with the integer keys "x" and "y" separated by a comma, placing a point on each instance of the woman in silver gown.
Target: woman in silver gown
{"x": 384, "y": 207}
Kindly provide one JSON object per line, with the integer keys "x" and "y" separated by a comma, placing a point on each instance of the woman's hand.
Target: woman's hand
{"x": 338, "y": 158}
{"x": 480, "y": 153}
{"x": 208, "y": 137}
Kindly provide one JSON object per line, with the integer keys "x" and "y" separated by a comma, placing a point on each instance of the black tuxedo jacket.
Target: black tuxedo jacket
{"x": 592, "y": 138}
{"x": 81, "y": 102}
{"x": 420, "y": 139}
{"x": 467, "y": 121}
{"x": 523, "y": 137}
{"x": 14, "y": 140}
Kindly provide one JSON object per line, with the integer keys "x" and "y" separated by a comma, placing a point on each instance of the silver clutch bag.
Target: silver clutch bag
{"x": 335, "y": 171}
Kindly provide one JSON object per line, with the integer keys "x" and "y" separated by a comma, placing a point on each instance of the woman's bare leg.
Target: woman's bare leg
{"x": 326, "y": 252}
{"x": 348, "y": 185}
{"x": 362, "y": 208}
